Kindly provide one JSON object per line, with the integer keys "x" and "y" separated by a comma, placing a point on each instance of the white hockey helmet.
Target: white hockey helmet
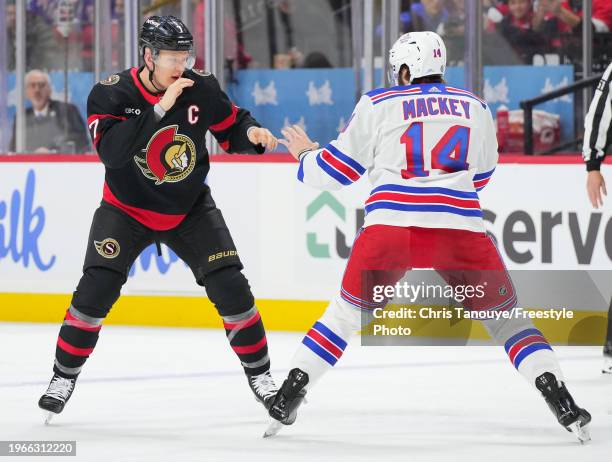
{"x": 424, "y": 53}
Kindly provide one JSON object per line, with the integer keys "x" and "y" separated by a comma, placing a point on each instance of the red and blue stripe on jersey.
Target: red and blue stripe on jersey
{"x": 336, "y": 164}
{"x": 382, "y": 94}
{"x": 324, "y": 343}
{"x": 360, "y": 303}
{"x": 525, "y": 343}
{"x": 423, "y": 199}
{"x": 469, "y": 94}
{"x": 482, "y": 179}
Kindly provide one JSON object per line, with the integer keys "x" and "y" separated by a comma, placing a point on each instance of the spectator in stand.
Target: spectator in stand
{"x": 51, "y": 126}
{"x": 47, "y": 29}
{"x": 44, "y": 8}
{"x": 428, "y": 15}
{"x": 455, "y": 23}
{"x": 602, "y": 15}
{"x": 454, "y": 29}
{"x": 41, "y": 44}
{"x": 233, "y": 49}
{"x": 561, "y": 11}
{"x": 559, "y": 21}
{"x": 566, "y": 15}
{"x": 517, "y": 27}
{"x": 316, "y": 60}
{"x": 85, "y": 33}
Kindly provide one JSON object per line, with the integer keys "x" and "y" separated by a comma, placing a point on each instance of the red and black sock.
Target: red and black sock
{"x": 247, "y": 338}
{"x": 76, "y": 341}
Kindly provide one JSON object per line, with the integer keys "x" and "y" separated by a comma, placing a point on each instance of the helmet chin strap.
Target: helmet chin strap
{"x": 152, "y": 79}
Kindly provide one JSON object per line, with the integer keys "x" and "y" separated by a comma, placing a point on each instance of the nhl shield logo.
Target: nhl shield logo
{"x": 169, "y": 157}
{"x": 201, "y": 72}
{"x": 111, "y": 80}
{"x": 108, "y": 248}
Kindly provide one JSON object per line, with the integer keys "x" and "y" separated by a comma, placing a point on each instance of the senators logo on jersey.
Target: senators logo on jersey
{"x": 169, "y": 157}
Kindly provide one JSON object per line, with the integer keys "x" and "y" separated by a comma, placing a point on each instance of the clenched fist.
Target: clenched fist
{"x": 264, "y": 137}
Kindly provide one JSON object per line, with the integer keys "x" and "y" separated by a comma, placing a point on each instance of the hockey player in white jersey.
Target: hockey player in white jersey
{"x": 428, "y": 148}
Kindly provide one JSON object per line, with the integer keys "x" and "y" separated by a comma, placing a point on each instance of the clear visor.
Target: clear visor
{"x": 390, "y": 75}
{"x": 175, "y": 59}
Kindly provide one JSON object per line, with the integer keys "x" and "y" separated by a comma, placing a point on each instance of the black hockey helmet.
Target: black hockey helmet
{"x": 165, "y": 33}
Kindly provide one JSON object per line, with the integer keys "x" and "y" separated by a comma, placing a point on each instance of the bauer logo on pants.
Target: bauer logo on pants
{"x": 108, "y": 248}
{"x": 220, "y": 255}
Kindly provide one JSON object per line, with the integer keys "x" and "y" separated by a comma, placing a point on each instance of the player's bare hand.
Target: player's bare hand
{"x": 596, "y": 185}
{"x": 173, "y": 92}
{"x": 297, "y": 140}
{"x": 264, "y": 137}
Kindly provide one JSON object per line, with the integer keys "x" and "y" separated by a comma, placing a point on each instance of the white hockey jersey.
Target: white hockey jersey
{"x": 428, "y": 149}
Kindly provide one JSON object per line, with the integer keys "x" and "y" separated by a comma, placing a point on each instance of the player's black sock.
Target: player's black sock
{"x": 76, "y": 341}
{"x": 247, "y": 337}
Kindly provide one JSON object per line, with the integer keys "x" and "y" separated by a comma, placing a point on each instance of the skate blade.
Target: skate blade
{"x": 607, "y": 366}
{"x": 48, "y": 415}
{"x": 582, "y": 433}
{"x": 273, "y": 429}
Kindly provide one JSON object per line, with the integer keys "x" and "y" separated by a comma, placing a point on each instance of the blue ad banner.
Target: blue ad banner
{"x": 322, "y": 100}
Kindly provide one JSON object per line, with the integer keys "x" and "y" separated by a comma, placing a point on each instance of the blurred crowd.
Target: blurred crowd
{"x": 516, "y": 30}
{"x": 60, "y": 33}
{"x": 282, "y": 34}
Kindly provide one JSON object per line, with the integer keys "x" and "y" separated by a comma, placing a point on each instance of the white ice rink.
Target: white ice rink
{"x": 152, "y": 394}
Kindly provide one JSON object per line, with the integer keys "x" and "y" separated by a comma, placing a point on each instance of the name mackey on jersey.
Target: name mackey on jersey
{"x": 428, "y": 149}
{"x": 155, "y": 169}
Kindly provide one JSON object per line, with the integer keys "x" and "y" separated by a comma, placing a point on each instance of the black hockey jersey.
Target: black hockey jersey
{"x": 155, "y": 171}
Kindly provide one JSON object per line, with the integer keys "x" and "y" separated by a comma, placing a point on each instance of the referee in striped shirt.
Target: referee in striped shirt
{"x": 598, "y": 139}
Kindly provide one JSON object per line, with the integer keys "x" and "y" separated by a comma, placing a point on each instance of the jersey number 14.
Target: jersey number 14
{"x": 449, "y": 154}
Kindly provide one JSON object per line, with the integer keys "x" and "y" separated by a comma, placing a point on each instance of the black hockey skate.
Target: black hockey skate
{"x": 561, "y": 403}
{"x": 287, "y": 400}
{"x": 57, "y": 395}
{"x": 607, "y": 365}
{"x": 263, "y": 388}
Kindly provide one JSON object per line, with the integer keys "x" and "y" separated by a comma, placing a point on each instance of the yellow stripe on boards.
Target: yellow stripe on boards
{"x": 587, "y": 327}
{"x": 137, "y": 310}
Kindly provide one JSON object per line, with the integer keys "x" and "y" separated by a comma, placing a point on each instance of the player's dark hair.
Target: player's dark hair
{"x": 429, "y": 79}
{"x": 425, "y": 79}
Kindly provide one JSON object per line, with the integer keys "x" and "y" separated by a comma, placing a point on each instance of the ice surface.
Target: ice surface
{"x": 155, "y": 394}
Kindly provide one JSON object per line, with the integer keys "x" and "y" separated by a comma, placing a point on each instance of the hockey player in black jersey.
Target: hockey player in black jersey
{"x": 148, "y": 126}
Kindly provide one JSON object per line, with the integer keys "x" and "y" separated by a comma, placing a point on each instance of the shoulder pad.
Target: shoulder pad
{"x": 202, "y": 72}
{"x": 112, "y": 80}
